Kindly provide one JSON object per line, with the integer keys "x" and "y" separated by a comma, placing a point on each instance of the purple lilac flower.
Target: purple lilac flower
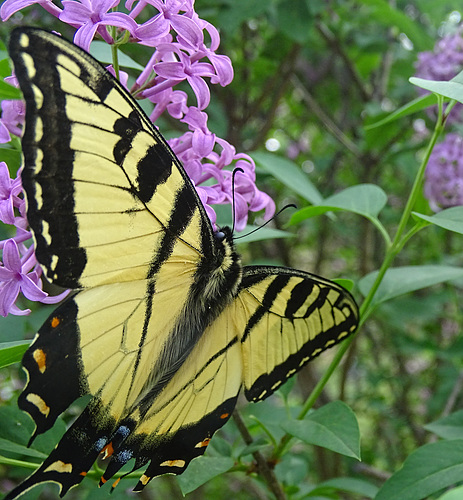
{"x": 180, "y": 54}
{"x": 13, "y": 114}
{"x": 9, "y": 195}
{"x": 92, "y": 16}
{"x": 444, "y": 174}
{"x": 9, "y": 7}
{"x": 442, "y": 64}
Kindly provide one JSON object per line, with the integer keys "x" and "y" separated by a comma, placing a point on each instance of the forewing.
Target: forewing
{"x": 292, "y": 317}
{"x": 106, "y": 197}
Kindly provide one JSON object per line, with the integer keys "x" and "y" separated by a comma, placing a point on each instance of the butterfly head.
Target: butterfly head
{"x": 224, "y": 270}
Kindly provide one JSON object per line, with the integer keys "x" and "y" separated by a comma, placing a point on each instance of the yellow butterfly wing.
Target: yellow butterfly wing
{"x": 165, "y": 327}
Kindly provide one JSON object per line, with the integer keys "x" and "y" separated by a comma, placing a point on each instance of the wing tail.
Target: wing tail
{"x": 78, "y": 449}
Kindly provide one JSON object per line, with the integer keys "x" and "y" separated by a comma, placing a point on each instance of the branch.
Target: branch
{"x": 331, "y": 40}
{"x": 325, "y": 119}
{"x": 264, "y": 469}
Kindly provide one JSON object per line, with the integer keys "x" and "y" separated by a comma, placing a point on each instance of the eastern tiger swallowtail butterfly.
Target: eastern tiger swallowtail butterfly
{"x": 165, "y": 326}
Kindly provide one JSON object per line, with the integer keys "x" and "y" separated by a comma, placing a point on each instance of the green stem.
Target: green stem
{"x": 366, "y": 309}
{"x": 114, "y": 54}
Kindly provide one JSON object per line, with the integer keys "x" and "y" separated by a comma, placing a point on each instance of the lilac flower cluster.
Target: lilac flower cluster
{"x": 180, "y": 54}
{"x": 20, "y": 271}
{"x": 442, "y": 64}
{"x": 444, "y": 174}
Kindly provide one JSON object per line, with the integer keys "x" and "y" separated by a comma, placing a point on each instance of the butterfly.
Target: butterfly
{"x": 165, "y": 325}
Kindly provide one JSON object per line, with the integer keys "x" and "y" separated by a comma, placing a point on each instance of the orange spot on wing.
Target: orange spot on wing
{"x": 116, "y": 482}
{"x": 102, "y": 480}
{"x": 203, "y": 444}
{"x": 55, "y": 322}
{"x": 41, "y": 359}
{"x": 225, "y": 415}
{"x": 107, "y": 451}
{"x": 83, "y": 473}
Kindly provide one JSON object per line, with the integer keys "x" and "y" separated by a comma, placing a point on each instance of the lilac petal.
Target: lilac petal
{"x": 170, "y": 70}
{"x": 123, "y": 76}
{"x": 191, "y": 36}
{"x": 13, "y": 115}
{"x": 4, "y": 134}
{"x": 6, "y": 274}
{"x": 8, "y": 294}
{"x": 11, "y": 258}
{"x": 56, "y": 298}
{"x": 75, "y": 12}
{"x": 196, "y": 119}
{"x": 7, "y": 211}
{"x": 214, "y": 35}
{"x": 14, "y": 309}
{"x": 9, "y": 7}
{"x": 120, "y": 20}
{"x": 84, "y": 35}
{"x": 177, "y": 107}
{"x": 211, "y": 214}
{"x": 223, "y": 68}
{"x": 200, "y": 68}
{"x": 5, "y": 180}
{"x": 21, "y": 235}
{"x": 203, "y": 143}
{"x": 241, "y": 212}
{"x": 201, "y": 91}
{"x": 30, "y": 290}
{"x": 263, "y": 201}
{"x": 193, "y": 169}
{"x": 150, "y": 32}
{"x": 144, "y": 75}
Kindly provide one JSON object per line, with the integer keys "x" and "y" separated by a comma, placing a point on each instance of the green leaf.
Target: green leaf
{"x": 453, "y": 494}
{"x": 450, "y": 219}
{"x": 5, "y": 68}
{"x": 12, "y": 157}
{"x": 352, "y": 485}
{"x": 345, "y": 283}
{"x": 289, "y": 173}
{"x": 102, "y": 52}
{"x": 201, "y": 470}
{"x": 364, "y": 199}
{"x": 7, "y": 91}
{"x": 386, "y": 14}
{"x": 295, "y": 22}
{"x": 262, "y": 233}
{"x": 452, "y": 89}
{"x": 19, "y": 449}
{"x": 334, "y": 426}
{"x": 400, "y": 280}
{"x": 410, "y": 108}
{"x": 449, "y": 427}
{"x": 12, "y": 352}
{"x": 427, "y": 470}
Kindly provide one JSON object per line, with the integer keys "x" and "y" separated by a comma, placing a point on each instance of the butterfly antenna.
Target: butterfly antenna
{"x": 237, "y": 169}
{"x": 290, "y": 205}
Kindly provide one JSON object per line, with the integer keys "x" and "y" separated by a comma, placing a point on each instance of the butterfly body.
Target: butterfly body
{"x": 165, "y": 326}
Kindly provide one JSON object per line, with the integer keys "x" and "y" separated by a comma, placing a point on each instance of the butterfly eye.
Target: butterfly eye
{"x": 219, "y": 235}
